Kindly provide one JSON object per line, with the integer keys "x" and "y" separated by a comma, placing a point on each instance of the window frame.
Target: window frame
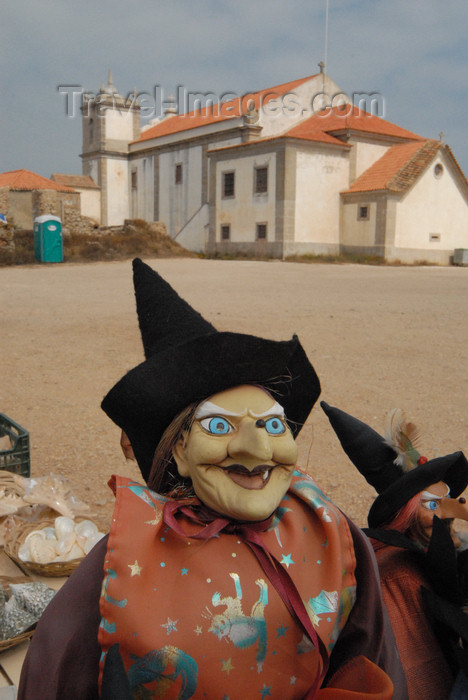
{"x": 258, "y": 226}
{"x": 257, "y": 170}
{"x": 223, "y": 184}
{"x": 221, "y": 232}
{"x": 360, "y": 215}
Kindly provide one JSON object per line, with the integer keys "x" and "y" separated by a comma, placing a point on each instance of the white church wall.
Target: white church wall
{"x": 142, "y": 188}
{"x": 246, "y": 209}
{"x": 180, "y": 202}
{"x": 356, "y": 231}
{"x": 194, "y": 234}
{"x": 117, "y": 191}
{"x": 433, "y": 217}
{"x": 119, "y": 124}
{"x": 319, "y": 178}
{"x": 91, "y": 168}
{"x": 365, "y": 154}
{"x": 90, "y": 203}
{"x": 281, "y": 114}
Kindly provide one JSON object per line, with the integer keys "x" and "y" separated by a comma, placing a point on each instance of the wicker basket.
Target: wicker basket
{"x": 17, "y": 536}
{"x": 13, "y": 641}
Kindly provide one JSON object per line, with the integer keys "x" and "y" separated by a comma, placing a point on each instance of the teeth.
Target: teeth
{"x": 265, "y": 475}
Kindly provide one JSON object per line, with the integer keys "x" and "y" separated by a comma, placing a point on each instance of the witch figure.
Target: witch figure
{"x": 419, "y": 552}
{"x": 227, "y": 573}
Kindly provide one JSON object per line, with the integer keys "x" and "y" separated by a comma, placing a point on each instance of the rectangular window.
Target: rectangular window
{"x": 228, "y": 184}
{"x": 178, "y": 174}
{"x": 134, "y": 179}
{"x": 261, "y": 232}
{"x": 225, "y": 232}
{"x": 363, "y": 213}
{"x": 261, "y": 180}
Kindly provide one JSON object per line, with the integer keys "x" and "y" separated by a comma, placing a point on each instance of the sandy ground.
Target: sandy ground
{"x": 379, "y": 337}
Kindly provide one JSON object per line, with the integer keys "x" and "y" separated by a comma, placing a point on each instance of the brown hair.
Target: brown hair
{"x": 164, "y": 477}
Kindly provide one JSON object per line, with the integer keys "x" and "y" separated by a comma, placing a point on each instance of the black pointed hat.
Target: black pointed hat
{"x": 376, "y": 461}
{"x": 188, "y": 360}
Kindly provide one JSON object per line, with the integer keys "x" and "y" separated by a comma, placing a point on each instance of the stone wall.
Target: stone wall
{"x": 65, "y": 205}
{"x": 4, "y": 200}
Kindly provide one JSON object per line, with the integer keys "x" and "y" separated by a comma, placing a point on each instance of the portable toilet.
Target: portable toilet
{"x": 48, "y": 244}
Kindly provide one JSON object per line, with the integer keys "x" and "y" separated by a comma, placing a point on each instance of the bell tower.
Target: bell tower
{"x": 109, "y": 123}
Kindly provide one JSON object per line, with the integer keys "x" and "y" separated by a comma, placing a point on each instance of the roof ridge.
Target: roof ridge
{"x": 23, "y": 179}
{"x": 234, "y": 107}
{"x": 407, "y": 173}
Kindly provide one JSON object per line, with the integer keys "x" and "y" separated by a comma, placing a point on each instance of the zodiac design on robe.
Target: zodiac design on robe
{"x": 179, "y": 667}
{"x": 240, "y": 629}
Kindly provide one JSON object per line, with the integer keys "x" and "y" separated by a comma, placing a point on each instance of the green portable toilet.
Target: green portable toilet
{"x": 48, "y": 244}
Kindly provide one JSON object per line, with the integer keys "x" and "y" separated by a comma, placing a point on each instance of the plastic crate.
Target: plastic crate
{"x": 16, "y": 459}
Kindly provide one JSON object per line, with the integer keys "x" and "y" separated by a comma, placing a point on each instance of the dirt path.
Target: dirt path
{"x": 379, "y": 337}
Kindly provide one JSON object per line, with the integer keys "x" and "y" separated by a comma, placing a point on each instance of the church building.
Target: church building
{"x": 293, "y": 169}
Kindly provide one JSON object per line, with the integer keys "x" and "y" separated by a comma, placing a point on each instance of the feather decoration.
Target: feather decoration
{"x": 403, "y": 437}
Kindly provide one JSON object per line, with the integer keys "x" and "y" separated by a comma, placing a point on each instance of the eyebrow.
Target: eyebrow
{"x": 208, "y": 408}
{"x": 428, "y": 496}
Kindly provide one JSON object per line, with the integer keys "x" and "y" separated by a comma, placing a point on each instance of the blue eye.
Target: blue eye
{"x": 274, "y": 426}
{"x": 431, "y": 505}
{"x": 216, "y": 425}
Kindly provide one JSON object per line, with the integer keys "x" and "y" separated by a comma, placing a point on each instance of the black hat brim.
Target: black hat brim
{"x": 146, "y": 400}
{"x": 452, "y": 469}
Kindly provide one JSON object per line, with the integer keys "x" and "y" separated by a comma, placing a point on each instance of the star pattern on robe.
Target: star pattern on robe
{"x": 171, "y": 626}
{"x": 287, "y": 560}
{"x": 227, "y": 665}
{"x": 198, "y": 630}
{"x": 265, "y": 691}
{"x": 135, "y": 569}
{"x": 281, "y": 631}
{"x": 184, "y": 572}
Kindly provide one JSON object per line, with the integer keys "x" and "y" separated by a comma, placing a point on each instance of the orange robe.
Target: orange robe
{"x": 199, "y": 618}
{"x": 427, "y": 673}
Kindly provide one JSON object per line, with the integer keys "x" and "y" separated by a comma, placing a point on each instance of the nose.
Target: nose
{"x": 251, "y": 441}
{"x": 454, "y": 508}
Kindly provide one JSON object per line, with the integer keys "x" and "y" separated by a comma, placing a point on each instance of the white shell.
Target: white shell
{"x": 91, "y": 541}
{"x": 86, "y": 528}
{"x": 75, "y": 553}
{"x": 49, "y": 533}
{"x": 23, "y": 552}
{"x": 65, "y": 543}
{"x": 35, "y": 533}
{"x": 63, "y": 526}
{"x": 42, "y": 551}
{"x": 81, "y": 541}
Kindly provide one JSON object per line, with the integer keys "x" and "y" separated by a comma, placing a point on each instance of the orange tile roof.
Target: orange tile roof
{"x": 74, "y": 180}
{"x": 398, "y": 168}
{"x": 218, "y": 112}
{"x": 323, "y": 125}
{"x": 26, "y": 180}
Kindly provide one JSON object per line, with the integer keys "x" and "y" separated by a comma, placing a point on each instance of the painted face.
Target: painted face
{"x": 239, "y": 453}
{"x": 436, "y": 501}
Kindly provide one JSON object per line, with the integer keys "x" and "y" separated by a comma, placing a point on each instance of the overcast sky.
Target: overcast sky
{"x": 414, "y": 53}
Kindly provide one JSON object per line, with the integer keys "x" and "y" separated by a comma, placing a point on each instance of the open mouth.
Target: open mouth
{"x": 254, "y": 479}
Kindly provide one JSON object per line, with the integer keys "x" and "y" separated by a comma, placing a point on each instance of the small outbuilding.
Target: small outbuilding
{"x": 89, "y": 191}
{"x": 24, "y": 196}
